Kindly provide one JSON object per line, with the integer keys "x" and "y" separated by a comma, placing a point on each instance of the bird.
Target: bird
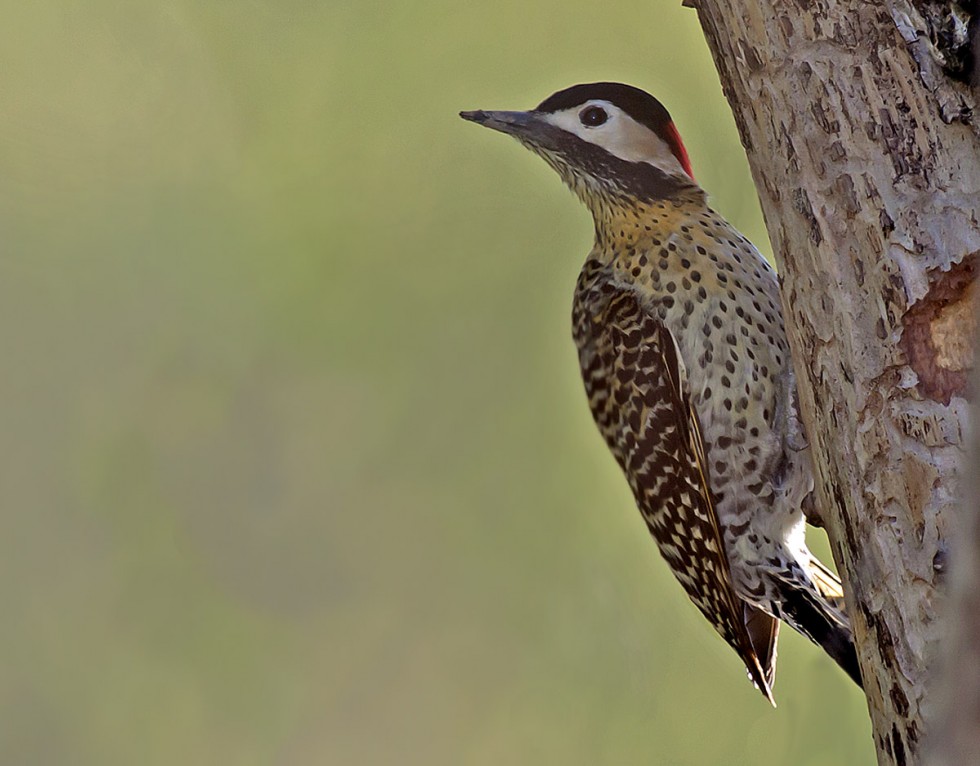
{"x": 677, "y": 320}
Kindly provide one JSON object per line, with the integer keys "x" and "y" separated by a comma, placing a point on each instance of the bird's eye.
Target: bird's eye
{"x": 593, "y": 116}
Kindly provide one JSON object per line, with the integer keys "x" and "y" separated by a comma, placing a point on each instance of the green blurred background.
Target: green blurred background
{"x": 296, "y": 466}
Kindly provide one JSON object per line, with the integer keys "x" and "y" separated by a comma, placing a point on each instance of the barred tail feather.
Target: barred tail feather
{"x": 827, "y": 582}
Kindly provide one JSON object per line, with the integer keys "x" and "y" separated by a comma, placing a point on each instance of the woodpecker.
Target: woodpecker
{"x": 678, "y": 324}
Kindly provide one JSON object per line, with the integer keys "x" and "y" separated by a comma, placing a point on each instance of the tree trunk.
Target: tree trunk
{"x": 955, "y": 736}
{"x": 858, "y": 125}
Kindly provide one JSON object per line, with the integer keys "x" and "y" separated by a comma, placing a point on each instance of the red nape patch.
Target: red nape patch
{"x": 677, "y": 147}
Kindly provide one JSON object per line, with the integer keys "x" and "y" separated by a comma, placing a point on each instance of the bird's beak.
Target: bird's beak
{"x": 513, "y": 123}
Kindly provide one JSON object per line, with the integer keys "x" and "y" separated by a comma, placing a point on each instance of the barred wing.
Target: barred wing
{"x": 637, "y": 388}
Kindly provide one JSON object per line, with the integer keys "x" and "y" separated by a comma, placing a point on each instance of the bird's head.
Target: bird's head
{"x": 611, "y": 143}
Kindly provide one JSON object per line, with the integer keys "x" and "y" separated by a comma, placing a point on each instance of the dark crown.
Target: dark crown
{"x": 638, "y": 104}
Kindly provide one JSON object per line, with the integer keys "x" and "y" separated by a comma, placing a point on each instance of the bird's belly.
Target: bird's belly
{"x": 740, "y": 391}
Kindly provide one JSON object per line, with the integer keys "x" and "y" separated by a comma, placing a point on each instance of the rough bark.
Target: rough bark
{"x": 857, "y": 118}
{"x": 955, "y": 735}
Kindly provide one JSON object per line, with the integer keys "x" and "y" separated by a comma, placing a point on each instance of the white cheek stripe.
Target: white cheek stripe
{"x": 621, "y": 136}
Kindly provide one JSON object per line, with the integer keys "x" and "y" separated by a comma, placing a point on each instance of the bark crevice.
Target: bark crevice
{"x": 938, "y": 332}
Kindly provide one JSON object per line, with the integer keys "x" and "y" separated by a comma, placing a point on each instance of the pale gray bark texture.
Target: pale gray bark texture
{"x": 859, "y": 128}
{"x": 954, "y": 738}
